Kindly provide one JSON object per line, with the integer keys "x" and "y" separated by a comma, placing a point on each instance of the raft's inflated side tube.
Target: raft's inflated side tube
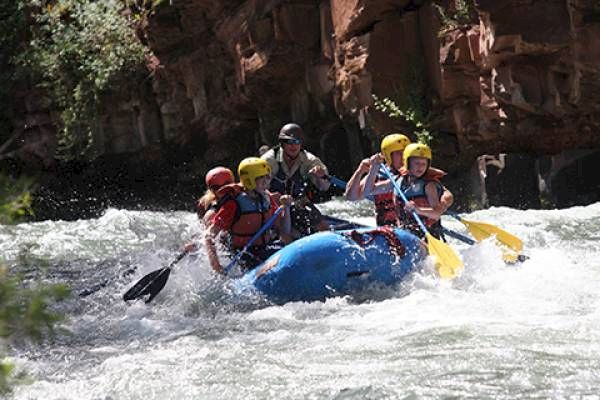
{"x": 330, "y": 264}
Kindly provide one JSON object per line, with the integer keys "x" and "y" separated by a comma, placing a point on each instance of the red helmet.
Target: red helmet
{"x": 219, "y": 176}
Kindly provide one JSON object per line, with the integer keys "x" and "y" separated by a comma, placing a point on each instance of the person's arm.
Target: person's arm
{"x": 435, "y": 209}
{"x": 319, "y": 178}
{"x": 208, "y": 216}
{"x": 354, "y": 187}
{"x": 211, "y": 248}
{"x": 221, "y": 221}
{"x": 284, "y": 223}
{"x": 316, "y": 170}
{"x": 372, "y": 188}
{"x": 205, "y": 220}
{"x": 446, "y": 200}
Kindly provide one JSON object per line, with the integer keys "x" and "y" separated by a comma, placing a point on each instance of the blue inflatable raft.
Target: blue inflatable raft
{"x": 335, "y": 263}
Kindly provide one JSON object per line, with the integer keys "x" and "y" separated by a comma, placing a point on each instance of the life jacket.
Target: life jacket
{"x": 251, "y": 214}
{"x": 385, "y": 209}
{"x": 415, "y": 191}
{"x": 293, "y": 185}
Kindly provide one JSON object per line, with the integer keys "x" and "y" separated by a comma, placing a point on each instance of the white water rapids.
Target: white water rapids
{"x": 523, "y": 331}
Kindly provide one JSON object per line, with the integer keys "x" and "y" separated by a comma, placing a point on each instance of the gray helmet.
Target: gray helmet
{"x": 290, "y": 132}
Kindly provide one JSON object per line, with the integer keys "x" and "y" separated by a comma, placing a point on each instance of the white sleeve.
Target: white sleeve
{"x": 271, "y": 158}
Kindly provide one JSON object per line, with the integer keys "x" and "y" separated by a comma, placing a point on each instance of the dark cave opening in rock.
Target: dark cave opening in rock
{"x": 514, "y": 184}
{"x": 578, "y": 183}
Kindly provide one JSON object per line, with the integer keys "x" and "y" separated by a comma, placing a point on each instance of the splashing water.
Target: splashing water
{"x": 498, "y": 331}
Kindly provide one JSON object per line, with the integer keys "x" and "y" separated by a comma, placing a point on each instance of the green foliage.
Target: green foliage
{"x": 420, "y": 122}
{"x": 15, "y": 199}
{"x": 12, "y": 31}
{"x": 410, "y": 102}
{"x": 24, "y": 312}
{"x": 463, "y": 14}
{"x": 80, "y": 50}
{"x": 142, "y": 8}
{"x": 24, "y": 309}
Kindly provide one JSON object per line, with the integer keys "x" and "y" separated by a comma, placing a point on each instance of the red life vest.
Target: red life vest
{"x": 385, "y": 209}
{"x": 251, "y": 214}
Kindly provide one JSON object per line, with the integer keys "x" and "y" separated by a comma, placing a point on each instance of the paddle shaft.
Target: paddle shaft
{"x": 152, "y": 283}
{"x": 455, "y": 215}
{"x": 399, "y": 191}
{"x": 448, "y": 263}
{"x": 172, "y": 264}
{"x": 91, "y": 290}
{"x": 258, "y": 234}
{"x": 458, "y": 236}
{"x": 168, "y": 267}
{"x": 178, "y": 258}
{"x": 335, "y": 181}
{"x": 342, "y": 185}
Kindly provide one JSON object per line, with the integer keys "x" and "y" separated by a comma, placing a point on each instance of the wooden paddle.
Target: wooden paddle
{"x": 448, "y": 263}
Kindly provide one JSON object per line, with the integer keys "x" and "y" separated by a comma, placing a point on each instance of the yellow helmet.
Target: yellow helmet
{"x": 392, "y": 143}
{"x": 251, "y": 168}
{"x": 416, "y": 150}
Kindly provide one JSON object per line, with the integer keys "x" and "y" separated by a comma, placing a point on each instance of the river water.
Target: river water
{"x": 498, "y": 331}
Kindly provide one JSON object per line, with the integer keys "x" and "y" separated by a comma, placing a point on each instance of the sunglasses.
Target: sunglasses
{"x": 292, "y": 141}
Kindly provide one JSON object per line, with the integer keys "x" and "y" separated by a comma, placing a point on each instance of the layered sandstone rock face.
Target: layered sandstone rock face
{"x": 226, "y": 75}
{"x": 234, "y": 72}
{"x": 131, "y": 124}
{"x": 229, "y": 74}
{"x": 526, "y": 79}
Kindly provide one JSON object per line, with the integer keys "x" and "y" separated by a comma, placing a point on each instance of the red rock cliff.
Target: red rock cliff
{"x": 524, "y": 80}
{"x": 228, "y": 74}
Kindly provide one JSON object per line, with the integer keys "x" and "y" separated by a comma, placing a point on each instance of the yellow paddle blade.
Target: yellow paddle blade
{"x": 447, "y": 262}
{"x": 509, "y": 256}
{"x": 482, "y": 230}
